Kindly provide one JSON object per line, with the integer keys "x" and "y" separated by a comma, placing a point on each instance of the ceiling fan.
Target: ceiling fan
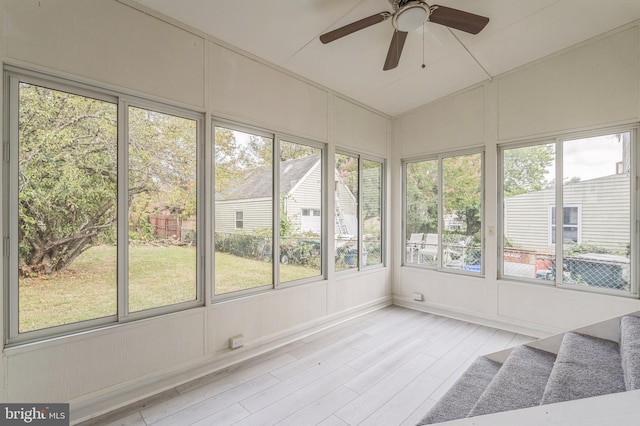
{"x": 406, "y": 16}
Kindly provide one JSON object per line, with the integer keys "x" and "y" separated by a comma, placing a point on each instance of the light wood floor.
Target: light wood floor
{"x": 384, "y": 368}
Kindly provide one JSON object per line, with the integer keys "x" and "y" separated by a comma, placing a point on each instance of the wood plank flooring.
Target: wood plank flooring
{"x": 384, "y": 368}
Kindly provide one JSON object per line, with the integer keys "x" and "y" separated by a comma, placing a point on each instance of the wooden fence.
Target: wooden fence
{"x": 172, "y": 226}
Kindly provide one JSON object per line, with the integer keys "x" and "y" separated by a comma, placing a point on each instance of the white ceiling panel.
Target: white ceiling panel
{"x": 409, "y": 92}
{"x": 549, "y": 30}
{"x": 285, "y": 33}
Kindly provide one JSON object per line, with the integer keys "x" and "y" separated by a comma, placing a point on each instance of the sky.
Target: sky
{"x": 590, "y": 158}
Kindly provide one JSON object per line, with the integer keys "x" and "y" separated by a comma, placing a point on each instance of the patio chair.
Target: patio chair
{"x": 456, "y": 252}
{"x": 429, "y": 250}
{"x": 413, "y": 245}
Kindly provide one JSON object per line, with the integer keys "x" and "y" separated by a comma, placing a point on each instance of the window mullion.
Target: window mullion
{"x": 440, "y": 211}
{"x": 559, "y": 216}
{"x": 123, "y": 209}
{"x": 360, "y": 244}
{"x": 275, "y": 252}
{"x": 14, "y": 94}
{"x": 635, "y": 199}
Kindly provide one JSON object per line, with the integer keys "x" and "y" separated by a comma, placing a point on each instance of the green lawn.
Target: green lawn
{"x": 235, "y": 273}
{"x": 158, "y": 276}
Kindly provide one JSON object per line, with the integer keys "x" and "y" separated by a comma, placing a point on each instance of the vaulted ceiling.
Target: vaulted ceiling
{"x": 285, "y": 33}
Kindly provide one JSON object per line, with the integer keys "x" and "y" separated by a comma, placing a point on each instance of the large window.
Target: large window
{"x": 261, "y": 204}
{"x": 358, "y": 195}
{"x": 587, "y": 244}
{"x": 101, "y": 223}
{"x": 443, "y": 212}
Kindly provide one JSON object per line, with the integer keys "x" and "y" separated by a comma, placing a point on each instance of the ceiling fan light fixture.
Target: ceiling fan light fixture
{"x": 410, "y": 17}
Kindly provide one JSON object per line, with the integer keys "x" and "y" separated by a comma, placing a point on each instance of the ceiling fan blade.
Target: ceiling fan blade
{"x": 395, "y": 50}
{"x": 458, "y": 19}
{"x": 353, "y": 27}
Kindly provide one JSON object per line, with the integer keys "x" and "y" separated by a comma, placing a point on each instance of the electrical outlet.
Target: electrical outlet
{"x": 236, "y": 341}
{"x": 417, "y": 296}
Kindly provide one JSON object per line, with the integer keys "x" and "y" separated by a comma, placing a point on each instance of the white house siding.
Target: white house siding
{"x": 605, "y": 211}
{"x": 346, "y": 200}
{"x": 371, "y": 186}
{"x": 526, "y": 219}
{"x": 306, "y": 195}
{"x": 256, "y": 215}
{"x": 604, "y": 207}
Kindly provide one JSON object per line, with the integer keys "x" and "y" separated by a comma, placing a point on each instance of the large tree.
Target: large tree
{"x": 67, "y": 176}
{"x": 462, "y": 187}
{"x": 525, "y": 169}
{"x": 422, "y": 197}
{"x": 68, "y": 172}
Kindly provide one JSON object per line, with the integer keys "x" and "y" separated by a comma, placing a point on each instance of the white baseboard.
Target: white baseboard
{"x": 509, "y": 324}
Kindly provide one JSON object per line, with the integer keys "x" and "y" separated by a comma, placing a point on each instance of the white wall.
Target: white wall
{"x": 595, "y": 84}
{"x": 113, "y": 45}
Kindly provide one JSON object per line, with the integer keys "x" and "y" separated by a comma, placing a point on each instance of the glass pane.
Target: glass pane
{"x": 570, "y": 215}
{"x": 597, "y": 211}
{"x": 162, "y": 209}
{"x": 529, "y": 212}
{"x": 67, "y": 208}
{"x": 346, "y": 215}
{"x": 372, "y": 212}
{"x": 243, "y": 188}
{"x": 462, "y": 199}
{"x": 421, "y": 212}
{"x": 300, "y": 207}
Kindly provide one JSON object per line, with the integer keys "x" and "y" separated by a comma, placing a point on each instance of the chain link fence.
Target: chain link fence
{"x": 590, "y": 269}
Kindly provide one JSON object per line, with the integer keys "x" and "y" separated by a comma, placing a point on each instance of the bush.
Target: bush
{"x": 243, "y": 245}
{"x": 297, "y": 251}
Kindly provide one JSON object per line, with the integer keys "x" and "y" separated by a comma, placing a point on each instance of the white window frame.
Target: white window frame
{"x": 440, "y": 157}
{"x": 277, "y": 138}
{"x": 558, "y": 141}
{"x": 13, "y": 76}
{"x": 361, "y": 158}
{"x": 241, "y": 220}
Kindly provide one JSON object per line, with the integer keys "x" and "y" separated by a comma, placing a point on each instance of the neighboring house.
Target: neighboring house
{"x": 247, "y": 207}
{"x": 596, "y": 212}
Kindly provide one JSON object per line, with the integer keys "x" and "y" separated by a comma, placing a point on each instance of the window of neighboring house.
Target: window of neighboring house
{"x": 443, "y": 212}
{"x": 358, "y": 192}
{"x": 570, "y": 224}
{"x": 239, "y": 220}
{"x": 81, "y": 217}
{"x": 591, "y": 176}
{"x": 246, "y": 175}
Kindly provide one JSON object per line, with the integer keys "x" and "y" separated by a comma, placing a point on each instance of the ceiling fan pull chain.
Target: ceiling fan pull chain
{"x": 423, "y": 65}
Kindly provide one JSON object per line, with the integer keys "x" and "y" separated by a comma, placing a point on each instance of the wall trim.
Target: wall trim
{"x": 508, "y": 324}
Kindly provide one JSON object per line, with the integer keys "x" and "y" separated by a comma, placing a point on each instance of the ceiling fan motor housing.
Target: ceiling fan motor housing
{"x": 409, "y": 15}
